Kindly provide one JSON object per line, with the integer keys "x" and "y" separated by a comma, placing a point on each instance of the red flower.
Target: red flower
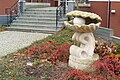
{"x": 49, "y": 42}
{"x": 31, "y": 49}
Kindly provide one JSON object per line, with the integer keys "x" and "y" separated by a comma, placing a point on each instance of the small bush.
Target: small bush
{"x": 118, "y": 48}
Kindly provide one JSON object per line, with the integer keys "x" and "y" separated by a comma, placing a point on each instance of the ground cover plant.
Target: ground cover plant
{"x": 47, "y": 59}
{"x": 2, "y": 28}
{"x": 14, "y": 66}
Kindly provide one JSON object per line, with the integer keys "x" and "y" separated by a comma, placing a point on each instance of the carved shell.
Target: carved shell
{"x": 82, "y": 28}
{"x": 84, "y": 15}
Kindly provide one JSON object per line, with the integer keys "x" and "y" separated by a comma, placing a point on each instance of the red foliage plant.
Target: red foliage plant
{"x": 106, "y": 68}
{"x": 109, "y": 67}
{"x": 60, "y": 54}
{"x": 77, "y": 75}
{"x": 51, "y": 51}
{"x": 45, "y": 48}
{"x": 105, "y": 48}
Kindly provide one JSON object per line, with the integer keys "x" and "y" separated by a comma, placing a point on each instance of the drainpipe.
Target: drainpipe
{"x": 31, "y": 1}
{"x": 108, "y": 15}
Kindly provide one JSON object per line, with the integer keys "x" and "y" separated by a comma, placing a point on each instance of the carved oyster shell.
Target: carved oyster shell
{"x": 82, "y": 28}
{"x": 83, "y": 14}
{"x": 92, "y": 21}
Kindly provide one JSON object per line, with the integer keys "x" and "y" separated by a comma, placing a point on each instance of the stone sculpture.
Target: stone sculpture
{"x": 84, "y": 24}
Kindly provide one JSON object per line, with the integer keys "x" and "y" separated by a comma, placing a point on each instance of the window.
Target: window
{"x": 82, "y": 1}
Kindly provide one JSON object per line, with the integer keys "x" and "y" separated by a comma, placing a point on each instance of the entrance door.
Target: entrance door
{"x": 52, "y": 2}
{"x": 69, "y": 4}
{"x": 62, "y": 1}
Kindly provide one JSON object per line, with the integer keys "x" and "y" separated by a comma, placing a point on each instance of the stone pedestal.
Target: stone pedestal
{"x": 79, "y": 63}
{"x": 82, "y": 56}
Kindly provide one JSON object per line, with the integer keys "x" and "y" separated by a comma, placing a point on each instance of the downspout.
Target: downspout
{"x": 31, "y": 1}
{"x": 108, "y": 15}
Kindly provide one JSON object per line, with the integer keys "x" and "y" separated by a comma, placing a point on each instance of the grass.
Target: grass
{"x": 2, "y": 28}
{"x": 11, "y": 66}
{"x": 60, "y": 37}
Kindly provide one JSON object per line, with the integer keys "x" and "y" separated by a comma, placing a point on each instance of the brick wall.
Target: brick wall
{"x": 115, "y": 18}
{"x": 100, "y": 8}
{"x": 5, "y": 4}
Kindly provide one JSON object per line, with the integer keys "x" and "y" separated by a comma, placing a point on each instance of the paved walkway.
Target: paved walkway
{"x": 11, "y": 41}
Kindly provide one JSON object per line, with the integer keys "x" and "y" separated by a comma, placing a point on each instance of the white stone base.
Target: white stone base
{"x": 78, "y": 63}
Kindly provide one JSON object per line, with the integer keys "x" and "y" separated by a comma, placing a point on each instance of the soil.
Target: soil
{"x": 17, "y": 64}
{"x": 47, "y": 72}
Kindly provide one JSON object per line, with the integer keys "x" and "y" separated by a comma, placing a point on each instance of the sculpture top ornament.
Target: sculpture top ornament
{"x": 83, "y": 21}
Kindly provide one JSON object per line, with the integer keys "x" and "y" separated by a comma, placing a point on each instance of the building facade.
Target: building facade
{"x": 109, "y": 11}
{"x": 4, "y": 4}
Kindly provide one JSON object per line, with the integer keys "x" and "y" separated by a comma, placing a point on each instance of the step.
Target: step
{"x": 36, "y": 18}
{"x": 35, "y": 22}
{"x": 37, "y": 15}
{"x": 34, "y": 25}
{"x": 42, "y": 10}
{"x": 46, "y": 8}
{"x": 38, "y": 12}
{"x": 33, "y": 15}
{"x": 32, "y": 29}
{"x": 36, "y": 5}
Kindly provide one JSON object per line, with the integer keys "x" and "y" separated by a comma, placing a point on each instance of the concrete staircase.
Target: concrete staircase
{"x": 37, "y": 19}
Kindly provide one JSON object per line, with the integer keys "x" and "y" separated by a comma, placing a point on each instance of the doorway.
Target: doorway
{"x": 53, "y": 3}
{"x": 69, "y": 4}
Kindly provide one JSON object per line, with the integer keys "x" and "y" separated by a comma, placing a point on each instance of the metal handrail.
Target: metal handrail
{"x": 11, "y": 12}
{"x": 60, "y": 12}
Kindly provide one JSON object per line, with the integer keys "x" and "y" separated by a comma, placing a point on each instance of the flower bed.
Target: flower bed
{"x": 106, "y": 67}
{"x": 48, "y": 60}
